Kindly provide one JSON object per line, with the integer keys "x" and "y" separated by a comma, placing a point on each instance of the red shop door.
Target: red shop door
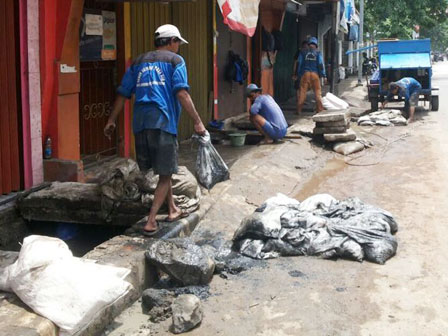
{"x": 98, "y": 85}
{"x": 9, "y": 109}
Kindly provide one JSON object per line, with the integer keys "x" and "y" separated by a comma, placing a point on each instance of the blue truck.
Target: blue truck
{"x": 403, "y": 58}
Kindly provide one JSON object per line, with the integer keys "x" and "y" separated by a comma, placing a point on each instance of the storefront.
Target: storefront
{"x": 85, "y": 49}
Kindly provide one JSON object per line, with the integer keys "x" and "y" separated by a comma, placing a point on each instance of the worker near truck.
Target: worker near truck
{"x": 158, "y": 79}
{"x": 310, "y": 69}
{"x": 407, "y": 88}
{"x": 266, "y": 115}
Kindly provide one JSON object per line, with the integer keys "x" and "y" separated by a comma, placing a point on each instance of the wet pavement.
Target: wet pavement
{"x": 405, "y": 173}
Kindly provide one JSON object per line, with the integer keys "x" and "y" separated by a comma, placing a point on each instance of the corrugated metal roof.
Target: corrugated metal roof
{"x": 405, "y": 61}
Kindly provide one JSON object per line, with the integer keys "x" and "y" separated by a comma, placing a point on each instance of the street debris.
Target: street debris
{"x": 319, "y": 226}
{"x": 383, "y": 118}
{"x": 187, "y": 313}
{"x": 227, "y": 260}
{"x": 125, "y": 183}
{"x": 184, "y": 261}
{"x": 210, "y": 167}
{"x": 66, "y": 290}
{"x": 157, "y": 304}
{"x": 333, "y": 126}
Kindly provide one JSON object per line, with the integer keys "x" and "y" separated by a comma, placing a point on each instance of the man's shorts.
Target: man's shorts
{"x": 273, "y": 132}
{"x": 157, "y": 150}
{"x": 414, "y": 98}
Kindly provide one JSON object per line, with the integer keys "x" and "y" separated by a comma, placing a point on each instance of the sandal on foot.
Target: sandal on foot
{"x": 152, "y": 232}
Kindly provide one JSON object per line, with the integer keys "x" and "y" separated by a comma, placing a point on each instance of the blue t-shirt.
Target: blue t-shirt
{"x": 311, "y": 61}
{"x": 407, "y": 86}
{"x": 266, "y": 106}
{"x": 155, "y": 78}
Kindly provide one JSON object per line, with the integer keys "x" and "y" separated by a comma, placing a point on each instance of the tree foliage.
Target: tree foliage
{"x": 396, "y": 18}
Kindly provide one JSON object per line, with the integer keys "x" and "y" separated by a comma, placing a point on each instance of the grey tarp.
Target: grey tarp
{"x": 125, "y": 183}
{"x": 319, "y": 226}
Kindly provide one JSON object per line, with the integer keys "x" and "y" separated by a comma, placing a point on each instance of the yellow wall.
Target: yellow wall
{"x": 194, "y": 22}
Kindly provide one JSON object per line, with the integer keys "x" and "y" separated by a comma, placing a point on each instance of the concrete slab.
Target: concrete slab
{"x": 329, "y": 130}
{"x": 73, "y": 202}
{"x": 329, "y": 116}
{"x": 18, "y": 320}
{"x": 333, "y": 123}
{"x": 350, "y": 135}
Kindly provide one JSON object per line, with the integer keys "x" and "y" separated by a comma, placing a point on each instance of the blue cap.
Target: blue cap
{"x": 252, "y": 88}
{"x": 313, "y": 40}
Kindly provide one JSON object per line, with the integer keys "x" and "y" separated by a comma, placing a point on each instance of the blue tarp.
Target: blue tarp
{"x": 405, "y": 61}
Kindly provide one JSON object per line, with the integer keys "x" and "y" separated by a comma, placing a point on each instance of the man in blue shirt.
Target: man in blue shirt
{"x": 266, "y": 115}
{"x": 409, "y": 89}
{"x": 158, "y": 80}
{"x": 311, "y": 68}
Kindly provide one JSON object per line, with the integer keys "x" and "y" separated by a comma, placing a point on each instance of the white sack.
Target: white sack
{"x": 328, "y": 105}
{"x": 66, "y": 290}
{"x": 338, "y": 102}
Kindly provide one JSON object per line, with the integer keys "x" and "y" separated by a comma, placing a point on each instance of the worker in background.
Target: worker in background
{"x": 295, "y": 76}
{"x": 310, "y": 69}
{"x": 266, "y": 115}
{"x": 158, "y": 80}
{"x": 407, "y": 88}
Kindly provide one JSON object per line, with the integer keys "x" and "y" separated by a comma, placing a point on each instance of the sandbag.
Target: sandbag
{"x": 210, "y": 167}
{"x": 66, "y": 290}
{"x": 124, "y": 182}
{"x": 383, "y": 118}
{"x": 336, "y": 101}
{"x": 347, "y": 148}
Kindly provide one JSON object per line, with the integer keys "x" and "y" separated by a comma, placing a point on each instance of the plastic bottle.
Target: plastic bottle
{"x": 47, "y": 148}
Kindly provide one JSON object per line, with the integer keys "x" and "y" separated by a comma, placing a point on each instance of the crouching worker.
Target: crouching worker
{"x": 266, "y": 115}
{"x": 409, "y": 89}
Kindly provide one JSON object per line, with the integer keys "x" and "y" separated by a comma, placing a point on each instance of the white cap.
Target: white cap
{"x": 167, "y": 31}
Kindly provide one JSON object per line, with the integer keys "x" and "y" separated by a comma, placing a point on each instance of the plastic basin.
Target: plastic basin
{"x": 237, "y": 139}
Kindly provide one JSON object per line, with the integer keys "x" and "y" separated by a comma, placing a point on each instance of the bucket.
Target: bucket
{"x": 237, "y": 139}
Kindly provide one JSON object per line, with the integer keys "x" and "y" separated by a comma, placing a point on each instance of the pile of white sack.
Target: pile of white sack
{"x": 383, "y": 118}
{"x": 333, "y": 103}
{"x": 68, "y": 291}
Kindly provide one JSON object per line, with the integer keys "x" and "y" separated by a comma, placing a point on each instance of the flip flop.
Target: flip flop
{"x": 181, "y": 215}
{"x": 152, "y": 232}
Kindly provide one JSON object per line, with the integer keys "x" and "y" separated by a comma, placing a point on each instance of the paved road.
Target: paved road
{"x": 407, "y": 296}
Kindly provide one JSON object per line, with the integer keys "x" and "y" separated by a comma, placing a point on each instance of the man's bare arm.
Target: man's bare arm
{"x": 118, "y": 107}
{"x": 188, "y": 105}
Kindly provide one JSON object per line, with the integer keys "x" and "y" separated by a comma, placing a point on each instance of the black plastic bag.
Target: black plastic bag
{"x": 210, "y": 167}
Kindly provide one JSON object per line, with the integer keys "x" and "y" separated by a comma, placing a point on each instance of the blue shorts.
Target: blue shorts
{"x": 273, "y": 132}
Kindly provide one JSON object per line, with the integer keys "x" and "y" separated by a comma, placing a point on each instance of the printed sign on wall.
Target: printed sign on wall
{"x": 109, "y": 51}
{"x": 94, "y": 24}
{"x": 98, "y": 36}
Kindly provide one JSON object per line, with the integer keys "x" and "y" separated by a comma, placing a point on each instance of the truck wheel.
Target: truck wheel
{"x": 374, "y": 104}
{"x": 434, "y": 103}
